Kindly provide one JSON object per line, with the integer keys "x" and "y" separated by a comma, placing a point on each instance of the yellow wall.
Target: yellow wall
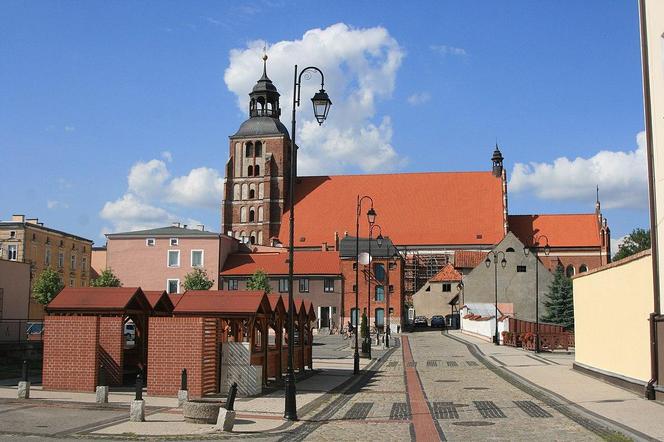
{"x": 611, "y": 310}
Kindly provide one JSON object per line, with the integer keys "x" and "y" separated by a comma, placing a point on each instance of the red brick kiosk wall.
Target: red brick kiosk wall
{"x": 70, "y": 353}
{"x": 111, "y": 343}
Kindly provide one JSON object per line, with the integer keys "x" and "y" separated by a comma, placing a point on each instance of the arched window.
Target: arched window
{"x": 260, "y": 238}
{"x": 245, "y": 191}
{"x": 569, "y": 271}
{"x": 509, "y": 249}
{"x": 249, "y": 150}
{"x": 258, "y": 151}
{"x": 236, "y": 191}
{"x": 261, "y": 189}
{"x": 583, "y": 268}
{"x": 252, "y": 215}
{"x": 257, "y": 170}
{"x": 380, "y": 317}
{"x": 252, "y": 237}
{"x": 250, "y": 171}
{"x": 379, "y": 272}
{"x": 260, "y": 214}
{"x": 237, "y": 234}
{"x": 252, "y": 194}
{"x": 261, "y": 105}
{"x": 243, "y": 215}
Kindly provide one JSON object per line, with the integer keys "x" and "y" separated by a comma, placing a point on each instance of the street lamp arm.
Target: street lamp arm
{"x": 359, "y": 203}
{"x": 308, "y": 70}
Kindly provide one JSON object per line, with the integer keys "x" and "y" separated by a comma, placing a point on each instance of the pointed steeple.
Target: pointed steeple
{"x": 497, "y": 160}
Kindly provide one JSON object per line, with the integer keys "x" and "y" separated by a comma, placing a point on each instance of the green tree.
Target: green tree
{"x": 559, "y": 305}
{"x": 259, "y": 281}
{"x": 635, "y": 242}
{"x": 197, "y": 280}
{"x": 46, "y": 286}
{"x": 106, "y": 279}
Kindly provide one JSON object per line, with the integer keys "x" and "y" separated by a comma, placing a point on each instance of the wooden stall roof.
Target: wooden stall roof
{"x": 309, "y": 309}
{"x": 277, "y": 303}
{"x": 160, "y": 302}
{"x": 223, "y": 303}
{"x": 100, "y": 300}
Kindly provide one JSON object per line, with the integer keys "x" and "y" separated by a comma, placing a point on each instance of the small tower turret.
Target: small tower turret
{"x": 497, "y": 160}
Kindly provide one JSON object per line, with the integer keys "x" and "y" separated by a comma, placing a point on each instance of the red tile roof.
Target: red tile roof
{"x": 277, "y": 302}
{"x": 413, "y": 208}
{"x": 275, "y": 263}
{"x": 220, "y": 302}
{"x": 466, "y": 259}
{"x": 447, "y": 273}
{"x": 96, "y": 298}
{"x": 159, "y": 299}
{"x": 579, "y": 230}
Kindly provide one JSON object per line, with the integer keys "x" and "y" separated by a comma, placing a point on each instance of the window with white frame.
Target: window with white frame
{"x": 47, "y": 257}
{"x": 173, "y": 285}
{"x": 232, "y": 284}
{"x": 73, "y": 261}
{"x": 61, "y": 260}
{"x": 328, "y": 285}
{"x": 150, "y": 242}
{"x": 174, "y": 241}
{"x": 84, "y": 263}
{"x": 197, "y": 258}
{"x": 12, "y": 252}
{"x": 173, "y": 258}
{"x": 283, "y": 285}
{"x": 304, "y": 285}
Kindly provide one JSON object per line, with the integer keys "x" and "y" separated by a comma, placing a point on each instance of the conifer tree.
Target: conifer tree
{"x": 559, "y": 305}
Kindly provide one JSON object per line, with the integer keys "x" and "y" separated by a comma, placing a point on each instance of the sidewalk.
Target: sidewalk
{"x": 255, "y": 414}
{"x": 552, "y": 371}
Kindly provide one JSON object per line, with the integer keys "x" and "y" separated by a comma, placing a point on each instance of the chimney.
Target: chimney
{"x": 176, "y": 224}
{"x": 200, "y": 227}
{"x": 184, "y": 226}
{"x": 32, "y": 221}
{"x": 18, "y": 218}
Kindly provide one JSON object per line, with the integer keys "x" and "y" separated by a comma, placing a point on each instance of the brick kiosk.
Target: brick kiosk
{"x": 85, "y": 329}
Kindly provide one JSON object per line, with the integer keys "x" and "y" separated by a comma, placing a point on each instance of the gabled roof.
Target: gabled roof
{"x": 223, "y": 303}
{"x": 159, "y": 301}
{"x": 412, "y": 208}
{"x": 276, "y": 263}
{"x": 165, "y": 232}
{"x": 467, "y": 259}
{"x": 386, "y": 249}
{"x": 566, "y": 230}
{"x": 447, "y": 273}
{"x": 99, "y": 299}
{"x": 277, "y": 303}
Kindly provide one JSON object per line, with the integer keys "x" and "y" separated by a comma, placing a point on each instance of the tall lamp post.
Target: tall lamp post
{"x": 535, "y": 250}
{"x": 379, "y": 241}
{"x": 371, "y": 217}
{"x": 321, "y": 103}
{"x": 503, "y": 263}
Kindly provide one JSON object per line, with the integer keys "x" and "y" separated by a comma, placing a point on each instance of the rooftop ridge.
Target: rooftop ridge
{"x": 400, "y": 173}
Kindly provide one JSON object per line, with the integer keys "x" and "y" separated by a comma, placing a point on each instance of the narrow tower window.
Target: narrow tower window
{"x": 258, "y": 151}
{"x": 249, "y": 150}
{"x": 250, "y": 171}
{"x": 257, "y": 170}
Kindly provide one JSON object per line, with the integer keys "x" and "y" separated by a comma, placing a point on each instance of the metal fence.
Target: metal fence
{"x": 21, "y": 330}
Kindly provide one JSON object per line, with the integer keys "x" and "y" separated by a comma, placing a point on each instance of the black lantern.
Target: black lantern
{"x": 379, "y": 240}
{"x": 371, "y": 216}
{"x": 487, "y": 262}
{"x": 322, "y": 105}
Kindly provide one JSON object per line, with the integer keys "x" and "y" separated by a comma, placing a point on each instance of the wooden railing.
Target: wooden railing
{"x": 551, "y": 336}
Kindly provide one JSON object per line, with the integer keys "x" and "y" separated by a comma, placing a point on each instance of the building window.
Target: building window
{"x": 583, "y": 268}
{"x": 61, "y": 260}
{"x": 392, "y": 266}
{"x": 84, "y": 263}
{"x": 232, "y": 284}
{"x": 48, "y": 240}
{"x": 283, "y": 285}
{"x": 328, "y": 285}
{"x": 257, "y": 170}
{"x": 173, "y": 258}
{"x": 380, "y": 317}
{"x": 150, "y": 242}
{"x": 353, "y": 317}
{"x": 447, "y": 287}
{"x": 354, "y": 288}
{"x": 391, "y": 288}
{"x": 34, "y": 237}
{"x": 47, "y": 257}
{"x": 62, "y": 243}
{"x": 197, "y": 258}
{"x": 521, "y": 269}
{"x": 379, "y": 272}
{"x": 258, "y": 151}
{"x": 174, "y": 242}
{"x": 173, "y": 286}
{"x": 510, "y": 249}
{"x": 380, "y": 293}
{"x": 250, "y": 171}
{"x": 73, "y": 262}
{"x": 252, "y": 215}
{"x": 252, "y": 194}
{"x": 12, "y": 253}
{"x": 569, "y": 271}
{"x": 354, "y": 266}
{"x": 304, "y": 285}
{"x": 12, "y": 234}
{"x": 249, "y": 150}
{"x": 71, "y": 283}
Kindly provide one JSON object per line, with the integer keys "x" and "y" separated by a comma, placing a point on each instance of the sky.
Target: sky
{"x": 116, "y": 115}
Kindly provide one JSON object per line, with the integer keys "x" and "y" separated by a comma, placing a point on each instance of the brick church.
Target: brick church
{"x": 428, "y": 216}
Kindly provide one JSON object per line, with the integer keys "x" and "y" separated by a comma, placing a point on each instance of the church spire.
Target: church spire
{"x": 497, "y": 160}
{"x": 264, "y": 97}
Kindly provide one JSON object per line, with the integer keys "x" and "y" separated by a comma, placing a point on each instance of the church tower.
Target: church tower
{"x": 257, "y": 172}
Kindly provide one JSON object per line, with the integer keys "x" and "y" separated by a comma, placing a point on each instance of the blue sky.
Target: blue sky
{"x": 93, "y": 90}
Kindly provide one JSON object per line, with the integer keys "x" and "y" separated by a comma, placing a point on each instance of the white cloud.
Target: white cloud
{"x": 202, "y": 187}
{"x": 167, "y": 156}
{"x": 54, "y": 204}
{"x": 419, "y": 98}
{"x": 615, "y": 244}
{"x": 621, "y": 176}
{"x": 360, "y": 67}
{"x": 448, "y": 50}
{"x": 70, "y": 128}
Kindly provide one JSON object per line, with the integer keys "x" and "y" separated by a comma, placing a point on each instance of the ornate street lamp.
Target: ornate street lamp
{"x": 503, "y": 263}
{"x": 535, "y": 249}
{"x": 321, "y": 103}
{"x": 371, "y": 217}
{"x": 379, "y": 241}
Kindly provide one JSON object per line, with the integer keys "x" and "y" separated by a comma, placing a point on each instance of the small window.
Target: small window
{"x": 34, "y": 237}
{"x": 354, "y": 266}
{"x": 258, "y": 151}
{"x": 252, "y": 194}
{"x": 391, "y": 288}
{"x": 12, "y": 234}
{"x": 249, "y": 150}
{"x": 197, "y": 258}
{"x": 71, "y": 283}
{"x": 232, "y": 284}
{"x": 72, "y": 263}
{"x": 583, "y": 268}
{"x": 174, "y": 242}
{"x": 521, "y": 269}
{"x": 379, "y": 272}
{"x": 569, "y": 271}
{"x": 447, "y": 287}
{"x": 12, "y": 253}
{"x": 354, "y": 288}
{"x": 173, "y": 286}
{"x": 150, "y": 242}
{"x": 380, "y": 317}
{"x": 304, "y": 285}
{"x": 61, "y": 260}
{"x": 47, "y": 257}
{"x": 283, "y": 285}
{"x": 84, "y": 263}
{"x": 392, "y": 266}
{"x": 62, "y": 243}
{"x": 328, "y": 285}
{"x": 510, "y": 249}
{"x": 83, "y": 249}
{"x": 48, "y": 240}
{"x": 257, "y": 170}
{"x": 252, "y": 216}
{"x": 379, "y": 293}
{"x": 173, "y": 258}
{"x": 250, "y": 171}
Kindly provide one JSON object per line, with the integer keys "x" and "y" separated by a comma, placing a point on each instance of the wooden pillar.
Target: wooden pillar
{"x": 301, "y": 333}
{"x": 278, "y": 341}
{"x": 264, "y": 342}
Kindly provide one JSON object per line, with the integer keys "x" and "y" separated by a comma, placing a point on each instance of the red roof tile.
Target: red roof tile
{"x": 447, "y": 273}
{"x": 95, "y": 298}
{"x": 220, "y": 302}
{"x": 277, "y": 302}
{"x": 413, "y": 208}
{"x": 275, "y": 263}
{"x": 466, "y": 259}
{"x": 580, "y": 230}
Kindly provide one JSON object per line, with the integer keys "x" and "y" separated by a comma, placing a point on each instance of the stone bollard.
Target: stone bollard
{"x": 24, "y": 384}
{"x": 183, "y": 393}
{"x": 102, "y": 388}
{"x": 226, "y": 418}
{"x": 137, "y": 410}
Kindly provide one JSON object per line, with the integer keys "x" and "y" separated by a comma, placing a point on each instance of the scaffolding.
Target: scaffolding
{"x": 419, "y": 268}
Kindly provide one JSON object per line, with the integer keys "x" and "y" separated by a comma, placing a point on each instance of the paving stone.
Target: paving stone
{"x": 532, "y": 409}
{"x": 359, "y": 410}
{"x": 452, "y": 364}
{"x": 445, "y": 410}
{"x": 488, "y": 409}
{"x": 400, "y": 411}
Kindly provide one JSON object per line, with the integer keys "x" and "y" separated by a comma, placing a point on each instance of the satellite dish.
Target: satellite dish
{"x": 364, "y": 258}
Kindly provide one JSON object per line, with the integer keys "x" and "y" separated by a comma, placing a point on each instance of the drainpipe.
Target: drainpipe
{"x": 647, "y": 106}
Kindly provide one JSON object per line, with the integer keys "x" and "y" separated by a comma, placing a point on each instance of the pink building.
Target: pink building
{"x": 159, "y": 259}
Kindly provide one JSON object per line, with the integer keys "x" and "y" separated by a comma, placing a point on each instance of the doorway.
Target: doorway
{"x": 325, "y": 317}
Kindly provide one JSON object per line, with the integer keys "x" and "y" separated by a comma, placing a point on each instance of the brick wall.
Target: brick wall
{"x": 70, "y": 353}
{"x": 111, "y": 347}
{"x": 175, "y": 343}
